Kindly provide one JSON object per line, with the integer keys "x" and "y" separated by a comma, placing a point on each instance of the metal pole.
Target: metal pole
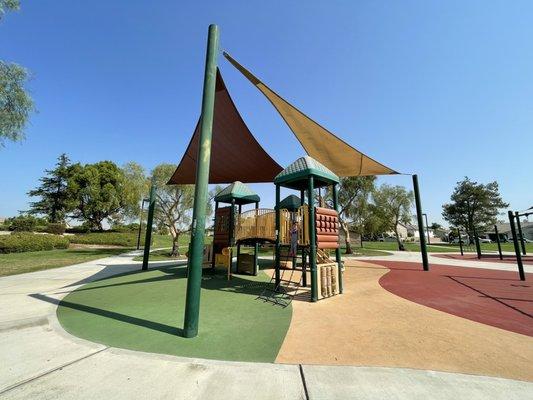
{"x": 140, "y": 225}
{"x": 519, "y": 226}
{"x": 337, "y": 250}
{"x": 516, "y": 248}
{"x": 194, "y": 280}
{"x": 256, "y": 244}
{"x": 213, "y": 247}
{"x": 149, "y": 223}
{"x": 460, "y": 241}
{"x": 478, "y": 246}
{"x": 498, "y": 241}
{"x": 427, "y": 226}
{"x": 312, "y": 239}
{"x": 423, "y": 249}
{"x": 278, "y": 217}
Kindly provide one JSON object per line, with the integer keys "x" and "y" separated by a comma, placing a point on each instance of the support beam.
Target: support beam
{"x": 498, "y": 241}
{"x": 149, "y": 223}
{"x": 312, "y": 239}
{"x": 194, "y": 279}
{"x": 213, "y": 252}
{"x": 516, "y": 248}
{"x": 277, "y": 266}
{"x": 337, "y": 250}
{"x": 418, "y": 203}
{"x": 519, "y": 226}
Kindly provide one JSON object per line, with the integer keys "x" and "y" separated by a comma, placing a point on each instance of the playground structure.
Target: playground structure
{"x": 294, "y": 227}
{"x": 223, "y": 150}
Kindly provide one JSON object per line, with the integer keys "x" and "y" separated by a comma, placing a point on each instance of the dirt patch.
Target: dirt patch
{"x": 94, "y": 246}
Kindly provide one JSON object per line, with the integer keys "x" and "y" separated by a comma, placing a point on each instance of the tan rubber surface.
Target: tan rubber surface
{"x": 368, "y": 325}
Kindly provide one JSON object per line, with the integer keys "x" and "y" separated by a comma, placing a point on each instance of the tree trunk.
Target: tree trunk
{"x": 346, "y": 231}
{"x": 400, "y": 244}
{"x": 175, "y": 246}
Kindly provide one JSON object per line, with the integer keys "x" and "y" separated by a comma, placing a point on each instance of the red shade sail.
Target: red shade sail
{"x": 235, "y": 153}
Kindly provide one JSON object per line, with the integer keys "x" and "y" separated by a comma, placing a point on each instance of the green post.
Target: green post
{"x": 460, "y": 241}
{"x": 194, "y": 280}
{"x": 498, "y": 241}
{"x": 516, "y": 248}
{"x": 213, "y": 248}
{"x": 312, "y": 239}
{"x": 338, "y": 249}
{"x": 256, "y": 244}
{"x": 149, "y": 223}
{"x": 277, "y": 266}
{"x": 418, "y": 203}
{"x": 519, "y": 226}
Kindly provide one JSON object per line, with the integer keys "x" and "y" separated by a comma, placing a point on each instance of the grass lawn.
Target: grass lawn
{"x": 18, "y": 263}
{"x": 144, "y": 311}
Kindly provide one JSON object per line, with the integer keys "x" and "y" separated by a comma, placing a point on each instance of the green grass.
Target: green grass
{"x": 144, "y": 311}
{"x": 18, "y": 263}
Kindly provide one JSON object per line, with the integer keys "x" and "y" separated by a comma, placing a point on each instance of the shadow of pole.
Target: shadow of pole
{"x": 156, "y": 326}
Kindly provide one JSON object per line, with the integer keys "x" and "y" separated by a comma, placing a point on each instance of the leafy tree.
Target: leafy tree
{"x": 8, "y": 5}
{"x": 473, "y": 205}
{"x": 54, "y": 196}
{"x": 393, "y": 206}
{"x": 435, "y": 226}
{"x": 136, "y": 187}
{"x": 354, "y": 193}
{"x": 15, "y": 102}
{"x": 97, "y": 192}
{"x": 173, "y": 204}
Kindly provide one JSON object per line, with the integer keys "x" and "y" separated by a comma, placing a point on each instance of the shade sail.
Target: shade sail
{"x": 235, "y": 154}
{"x": 317, "y": 141}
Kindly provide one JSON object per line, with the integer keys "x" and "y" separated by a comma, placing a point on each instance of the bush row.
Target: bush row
{"x": 106, "y": 238}
{"x": 21, "y": 242}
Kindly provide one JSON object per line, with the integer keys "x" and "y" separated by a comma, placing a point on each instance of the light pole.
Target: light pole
{"x": 141, "y": 223}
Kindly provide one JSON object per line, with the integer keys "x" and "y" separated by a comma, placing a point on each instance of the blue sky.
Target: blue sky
{"x": 443, "y": 89}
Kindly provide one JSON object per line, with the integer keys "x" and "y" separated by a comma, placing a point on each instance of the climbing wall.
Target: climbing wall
{"x": 327, "y": 228}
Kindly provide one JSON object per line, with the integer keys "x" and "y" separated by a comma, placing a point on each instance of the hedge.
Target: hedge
{"x": 21, "y": 242}
{"x": 106, "y": 238}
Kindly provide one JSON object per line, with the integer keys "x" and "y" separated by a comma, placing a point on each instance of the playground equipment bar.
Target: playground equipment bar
{"x": 516, "y": 247}
{"x": 423, "y": 249}
{"x": 194, "y": 278}
{"x": 149, "y": 223}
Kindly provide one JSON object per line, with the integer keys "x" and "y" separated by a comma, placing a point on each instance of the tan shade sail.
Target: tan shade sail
{"x": 235, "y": 154}
{"x": 317, "y": 141}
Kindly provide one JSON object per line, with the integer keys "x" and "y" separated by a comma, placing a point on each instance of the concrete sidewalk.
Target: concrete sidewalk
{"x": 40, "y": 360}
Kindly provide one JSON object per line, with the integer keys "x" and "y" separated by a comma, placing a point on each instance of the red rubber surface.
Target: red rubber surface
{"x": 496, "y": 298}
{"x": 487, "y": 257}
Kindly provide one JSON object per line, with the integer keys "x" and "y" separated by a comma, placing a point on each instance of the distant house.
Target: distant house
{"x": 505, "y": 229}
{"x": 411, "y": 230}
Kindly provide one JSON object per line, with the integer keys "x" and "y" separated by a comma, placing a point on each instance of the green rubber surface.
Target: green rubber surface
{"x": 144, "y": 311}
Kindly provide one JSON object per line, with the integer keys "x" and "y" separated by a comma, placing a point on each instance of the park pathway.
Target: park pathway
{"x": 39, "y": 360}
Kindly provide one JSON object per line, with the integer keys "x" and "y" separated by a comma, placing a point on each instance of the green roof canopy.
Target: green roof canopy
{"x": 239, "y": 192}
{"x": 291, "y": 203}
{"x": 296, "y": 175}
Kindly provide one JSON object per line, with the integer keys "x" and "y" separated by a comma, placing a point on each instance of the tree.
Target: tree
{"x": 8, "y": 5}
{"x": 53, "y": 192}
{"x": 136, "y": 187}
{"x": 15, "y": 102}
{"x": 435, "y": 226}
{"x": 473, "y": 206}
{"x": 353, "y": 198}
{"x": 173, "y": 204}
{"x": 393, "y": 206}
{"x": 97, "y": 192}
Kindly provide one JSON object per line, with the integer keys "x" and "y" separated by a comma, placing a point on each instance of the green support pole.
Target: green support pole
{"x": 213, "y": 245}
{"x": 312, "y": 239}
{"x": 517, "y": 248}
{"x": 418, "y": 203}
{"x": 476, "y": 242}
{"x": 498, "y": 241}
{"x": 519, "y": 226}
{"x": 256, "y": 245}
{"x": 194, "y": 280}
{"x": 337, "y": 250}
{"x": 149, "y": 223}
{"x": 460, "y": 242}
{"x": 277, "y": 264}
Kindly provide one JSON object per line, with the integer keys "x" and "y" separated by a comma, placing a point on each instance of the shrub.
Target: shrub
{"x": 134, "y": 227}
{"x": 22, "y": 223}
{"x": 106, "y": 238}
{"x": 22, "y": 242}
{"x": 56, "y": 228}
